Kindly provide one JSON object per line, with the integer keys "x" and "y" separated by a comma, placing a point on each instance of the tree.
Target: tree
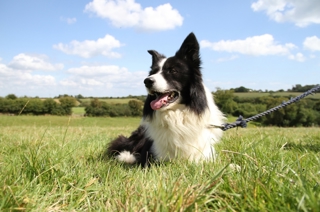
{"x": 317, "y": 106}
{"x": 34, "y": 106}
{"x": 95, "y": 103}
{"x": 49, "y": 105}
{"x": 11, "y": 96}
{"x": 300, "y": 88}
{"x": 241, "y": 89}
{"x": 135, "y": 107}
{"x": 79, "y": 96}
{"x": 67, "y": 103}
{"x": 224, "y": 100}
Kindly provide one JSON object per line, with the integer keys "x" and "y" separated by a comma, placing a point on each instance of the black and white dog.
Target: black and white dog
{"x": 176, "y": 114}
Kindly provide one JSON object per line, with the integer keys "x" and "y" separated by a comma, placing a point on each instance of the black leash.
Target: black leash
{"x": 243, "y": 122}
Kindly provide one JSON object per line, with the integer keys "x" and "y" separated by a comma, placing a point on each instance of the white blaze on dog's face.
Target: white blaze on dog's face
{"x": 160, "y": 85}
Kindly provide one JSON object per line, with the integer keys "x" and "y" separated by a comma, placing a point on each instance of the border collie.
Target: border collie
{"x": 177, "y": 113}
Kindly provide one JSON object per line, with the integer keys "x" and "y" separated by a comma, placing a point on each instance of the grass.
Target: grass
{"x": 64, "y": 121}
{"x": 78, "y": 111}
{"x": 54, "y": 164}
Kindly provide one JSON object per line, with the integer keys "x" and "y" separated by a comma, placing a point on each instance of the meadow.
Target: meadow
{"x": 50, "y": 163}
{"x": 111, "y": 100}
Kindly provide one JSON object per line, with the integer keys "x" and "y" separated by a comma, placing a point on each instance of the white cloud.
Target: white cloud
{"x": 104, "y": 80}
{"x": 312, "y": 43}
{"x": 68, "y": 82}
{"x": 89, "y": 48}
{"x": 12, "y": 78}
{"x": 88, "y": 71}
{"x": 128, "y": 13}
{"x": 17, "y": 77}
{"x": 68, "y": 20}
{"x": 32, "y": 63}
{"x": 118, "y": 76}
{"x": 111, "y": 76}
{"x": 90, "y": 82}
{"x": 300, "y": 12}
{"x": 298, "y": 57}
{"x": 256, "y": 45}
{"x": 87, "y": 80}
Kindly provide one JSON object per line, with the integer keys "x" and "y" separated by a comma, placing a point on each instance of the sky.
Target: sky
{"x": 99, "y": 47}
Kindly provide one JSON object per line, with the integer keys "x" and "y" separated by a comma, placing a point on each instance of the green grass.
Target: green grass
{"x": 66, "y": 121}
{"x": 78, "y": 111}
{"x": 53, "y": 164}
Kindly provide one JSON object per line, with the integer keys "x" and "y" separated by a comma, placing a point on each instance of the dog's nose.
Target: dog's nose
{"x": 148, "y": 82}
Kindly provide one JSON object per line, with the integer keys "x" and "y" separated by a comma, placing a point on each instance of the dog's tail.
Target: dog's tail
{"x": 131, "y": 150}
{"x": 121, "y": 148}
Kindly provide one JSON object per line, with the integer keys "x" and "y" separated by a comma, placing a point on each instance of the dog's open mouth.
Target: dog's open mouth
{"x": 163, "y": 99}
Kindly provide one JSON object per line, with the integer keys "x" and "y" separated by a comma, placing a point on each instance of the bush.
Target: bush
{"x": 136, "y": 107}
{"x": 11, "y": 96}
{"x": 100, "y": 108}
{"x": 67, "y": 103}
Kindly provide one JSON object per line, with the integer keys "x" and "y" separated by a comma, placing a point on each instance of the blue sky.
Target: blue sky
{"x": 99, "y": 47}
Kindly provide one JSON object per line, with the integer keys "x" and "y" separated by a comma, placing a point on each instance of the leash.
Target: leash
{"x": 243, "y": 122}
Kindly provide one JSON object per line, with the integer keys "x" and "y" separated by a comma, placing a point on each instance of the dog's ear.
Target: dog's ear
{"x": 155, "y": 57}
{"x": 190, "y": 49}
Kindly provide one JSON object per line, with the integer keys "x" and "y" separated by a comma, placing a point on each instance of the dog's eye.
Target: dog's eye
{"x": 172, "y": 70}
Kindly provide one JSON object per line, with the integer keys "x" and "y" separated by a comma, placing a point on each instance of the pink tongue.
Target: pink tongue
{"x": 159, "y": 102}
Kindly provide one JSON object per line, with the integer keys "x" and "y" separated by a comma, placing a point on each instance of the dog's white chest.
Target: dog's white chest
{"x": 180, "y": 134}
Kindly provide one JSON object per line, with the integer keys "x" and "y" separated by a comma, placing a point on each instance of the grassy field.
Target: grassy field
{"x": 52, "y": 163}
{"x": 111, "y": 101}
{"x": 78, "y": 111}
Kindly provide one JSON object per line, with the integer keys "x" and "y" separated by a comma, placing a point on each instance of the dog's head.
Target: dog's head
{"x": 176, "y": 80}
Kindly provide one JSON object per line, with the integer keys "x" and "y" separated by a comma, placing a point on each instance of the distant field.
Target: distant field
{"x": 244, "y": 95}
{"x": 78, "y": 111}
{"x": 111, "y": 101}
{"x": 285, "y": 94}
{"x": 57, "y": 100}
{"x": 64, "y": 121}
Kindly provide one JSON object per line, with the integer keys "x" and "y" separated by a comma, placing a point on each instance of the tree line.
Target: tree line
{"x": 305, "y": 112}
{"x": 295, "y": 88}
{"x": 36, "y": 106}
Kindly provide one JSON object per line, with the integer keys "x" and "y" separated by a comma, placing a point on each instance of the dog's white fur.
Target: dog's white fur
{"x": 180, "y": 133}
{"x": 160, "y": 83}
{"x": 127, "y": 157}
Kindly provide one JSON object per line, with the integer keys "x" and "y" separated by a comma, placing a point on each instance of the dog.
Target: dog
{"x": 177, "y": 113}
